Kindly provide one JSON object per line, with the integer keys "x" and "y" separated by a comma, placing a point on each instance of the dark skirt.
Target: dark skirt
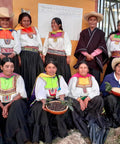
{"x": 112, "y": 108}
{"x": 16, "y": 63}
{"x": 96, "y": 74}
{"x": 82, "y": 118}
{"x": 14, "y": 129}
{"x": 31, "y": 67}
{"x": 109, "y": 67}
{"x": 45, "y": 126}
{"x": 63, "y": 68}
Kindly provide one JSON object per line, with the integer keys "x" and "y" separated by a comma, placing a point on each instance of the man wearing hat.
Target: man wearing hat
{"x": 111, "y": 101}
{"x": 91, "y": 46}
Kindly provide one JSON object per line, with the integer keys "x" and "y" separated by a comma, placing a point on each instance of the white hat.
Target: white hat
{"x": 93, "y": 13}
{"x": 115, "y": 61}
{"x": 4, "y": 13}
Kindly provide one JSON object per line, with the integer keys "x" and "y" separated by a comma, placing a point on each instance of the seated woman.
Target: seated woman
{"x": 87, "y": 103}
{"x": 43, "y": 125}
{"x": 112, "y": 102}
{"x": 13, "y": 109}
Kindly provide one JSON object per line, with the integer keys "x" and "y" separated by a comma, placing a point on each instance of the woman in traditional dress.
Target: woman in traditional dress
{"x": 112, "y": 102}
{"x": 13, "y": 109}
{"x": 87, "y": 102}
{"x": 113, "y": 47}
{"x": 91, "y": 46}
{"x": 9, "y": 42}
{"x": 45, "y": 126}
{"x": 58, "y": 46}
{"x": 31, "y": 45}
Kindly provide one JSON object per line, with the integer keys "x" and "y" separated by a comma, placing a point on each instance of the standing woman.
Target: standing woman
{"x": 31, "y": 45}
{"x": 113, "y": 47}
{"x": 9, "y": 42}
{"x": 58, "y": 46}
{"x": 13, "y": 108}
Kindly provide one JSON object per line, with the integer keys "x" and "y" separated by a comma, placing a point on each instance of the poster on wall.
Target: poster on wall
{"x": 71, "y": 19}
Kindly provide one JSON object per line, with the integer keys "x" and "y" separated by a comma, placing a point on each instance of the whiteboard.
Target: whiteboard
{"x": 71, "y": 19}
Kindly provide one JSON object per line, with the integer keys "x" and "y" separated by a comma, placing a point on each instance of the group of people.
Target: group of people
{"x": 22, "y": 53}
{"x": 46, "y": 73}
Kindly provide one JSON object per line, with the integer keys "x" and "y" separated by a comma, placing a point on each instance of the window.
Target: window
{"x": 111, "y": 11}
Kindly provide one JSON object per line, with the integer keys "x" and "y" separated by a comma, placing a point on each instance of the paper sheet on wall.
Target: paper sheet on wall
{"x": 71, "y": 19}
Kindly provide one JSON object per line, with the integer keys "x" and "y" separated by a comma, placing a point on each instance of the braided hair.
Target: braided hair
{"x": 54, "y": 62}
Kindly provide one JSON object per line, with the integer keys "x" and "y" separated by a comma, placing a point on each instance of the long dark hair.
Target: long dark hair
{"x": 6, "y": 59}
{"x": 82, "y": 62}
{"x": 58, "y": 21}
{"x": 22, "y": 15}
{"x": 79, "y": 63}
{"x": 51, "y": 60}
{"x": 54, "y": 62}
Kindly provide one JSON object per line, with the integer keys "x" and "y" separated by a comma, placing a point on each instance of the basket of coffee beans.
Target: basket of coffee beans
{"x": 56, "y": 107}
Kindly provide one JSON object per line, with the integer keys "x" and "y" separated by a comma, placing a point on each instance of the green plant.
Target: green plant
{"x": 65, "y": 103}
{"x": 68, "y": 103}
{"x": 108, "y": 87}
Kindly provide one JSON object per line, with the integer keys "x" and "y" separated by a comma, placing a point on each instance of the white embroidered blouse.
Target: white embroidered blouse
{"x": 13, "y": 44}
{"x": 25, "y": 40}
{"x": 77, "y": 91}
{"x": 61, "y": 44}
{"x": 17, "y": 87}
{"x": 42, "y": 93}
{"x": 113, "y": 44}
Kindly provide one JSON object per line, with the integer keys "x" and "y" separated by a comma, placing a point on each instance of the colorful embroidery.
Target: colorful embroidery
{"x": 6, "y": 34}
{"x": 56, "y": 52}
{"x": 11, "y": 30}
{"x": 30, "y": 48}
{"x": 7, "y": 41}
{"x": 8, "y": 87}
{"x": 6, "y": 99}
{"x": 84, "y": 83}
{"x": 52, "y": 93}
{"x": 56, "y": 35}
{"x": 30, "y": 31}
{"x": 7, "y": 50}
{"x": 51, "y": 85}
{"x": 115, "y": 37}
{"x": 116, "y": 54}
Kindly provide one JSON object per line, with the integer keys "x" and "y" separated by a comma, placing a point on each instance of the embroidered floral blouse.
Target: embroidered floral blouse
{"x": 30, "y": 39}
{"x": 11, "y": 87}
{"x": 45, "y": 86}
{"x": 113, "y": 44}
{"x": 9, "y": 42}
{"x": 83, "y": 86}
{"x": 60, "y": 43}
